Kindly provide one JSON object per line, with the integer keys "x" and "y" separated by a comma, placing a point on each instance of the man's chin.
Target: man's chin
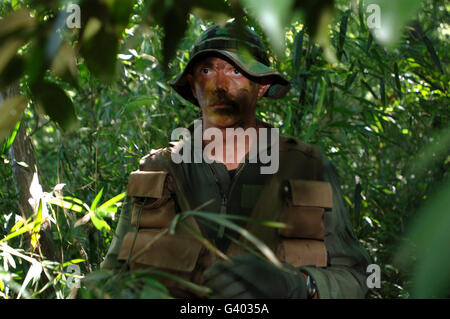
{"x": 223, "y": 120}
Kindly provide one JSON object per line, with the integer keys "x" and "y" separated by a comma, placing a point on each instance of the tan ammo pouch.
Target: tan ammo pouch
{"x": 302, "y": 241}
{"x": 153, "y": 205}
{"x": 155, "y": 247}
{"x": 173, "y": 254}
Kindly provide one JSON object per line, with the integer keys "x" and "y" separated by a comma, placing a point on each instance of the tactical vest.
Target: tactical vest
{"x": 296, "y": 195}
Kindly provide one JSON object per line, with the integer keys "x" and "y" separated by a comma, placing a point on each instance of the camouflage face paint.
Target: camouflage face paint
{"x": 226, "y": 96}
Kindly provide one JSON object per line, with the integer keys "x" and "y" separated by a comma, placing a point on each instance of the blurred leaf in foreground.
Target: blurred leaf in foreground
{"x": 387, "y": 19}
{"x": 11, "y": 111}
{"x": 57, "y": 104}
{"x": 429, "y": 242}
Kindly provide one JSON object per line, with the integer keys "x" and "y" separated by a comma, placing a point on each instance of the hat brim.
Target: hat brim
{"x": 253, "y": 68}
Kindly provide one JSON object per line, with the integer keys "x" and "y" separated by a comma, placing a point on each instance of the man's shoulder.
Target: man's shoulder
{"x": 156, "y": 159}
{"x": 159, "y": 158}
{"x": 293, "y": 144}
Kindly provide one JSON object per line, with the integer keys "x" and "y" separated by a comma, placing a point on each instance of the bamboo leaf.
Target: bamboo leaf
{"x": 219, "y": 219}
{"x": 298, "y": 51}
{"x": 96, "y": 200}
{"x": 112, "y": 201}
{"x": 10, "y": 139}
{"x": 98, "y": 222}
{"x": 73, "y": 261}
{"x": 65, "y": 204}
{"x": 342, "y": 33}
{"x": 37, "y": 226}
{"x": 350, "y": 79}
{"x": 382, "y": 92}
{"x": 397, "y": 81}
{"x": 20, "y": 231}
{"x": 199, "y": 290}
{"x": 33, "y": 273}
{"x": 19, "y": 224}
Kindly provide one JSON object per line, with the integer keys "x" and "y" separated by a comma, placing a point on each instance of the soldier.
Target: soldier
{"x": 228, "y": 72}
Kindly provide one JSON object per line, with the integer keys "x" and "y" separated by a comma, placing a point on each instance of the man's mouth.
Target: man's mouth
{"x": 222, "y": 106}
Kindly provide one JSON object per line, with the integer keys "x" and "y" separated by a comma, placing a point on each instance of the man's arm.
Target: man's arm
{"x": 345, "y": 277}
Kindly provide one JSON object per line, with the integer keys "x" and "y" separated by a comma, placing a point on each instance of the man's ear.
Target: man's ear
{"x": 191, "y": 84}
{"x": 263, "y": 89}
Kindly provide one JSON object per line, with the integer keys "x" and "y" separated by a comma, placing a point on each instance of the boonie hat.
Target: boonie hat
{"x": 240, "y": 45}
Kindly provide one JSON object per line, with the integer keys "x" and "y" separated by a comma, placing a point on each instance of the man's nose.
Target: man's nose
{"x": 221, "y": 81}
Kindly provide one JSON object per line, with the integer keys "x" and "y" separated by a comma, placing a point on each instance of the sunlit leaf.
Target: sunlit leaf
{"x": 112, "y": 201}
{"x": 19, "y": 224}
{"x": 10, "y": 259}
{"x": 37, "y": 226}
{"x": 65, "y": 204}
{"x": 96, "y": 200}
{"x": 73, "y": 261}
{"x": 33, "y": 273}
{"x": 99, "y": 222}
{"x": 19, "y": 231}
{"x": 7, "y": 144}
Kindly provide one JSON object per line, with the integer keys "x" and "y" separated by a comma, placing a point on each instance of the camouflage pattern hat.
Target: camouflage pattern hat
{"x": 240, "y": 46}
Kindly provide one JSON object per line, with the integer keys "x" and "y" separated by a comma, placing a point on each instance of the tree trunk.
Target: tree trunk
{"x": 26, "y": 180}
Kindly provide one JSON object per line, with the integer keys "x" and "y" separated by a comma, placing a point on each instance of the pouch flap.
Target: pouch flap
{"x": 146, "y": 183}
{"x": 154, "y": 217}
{"x": 311, "y": 193}
{"x": 300, "y": 252}
{"x": 172, "y": 252}
{"x": 303, "y": 222}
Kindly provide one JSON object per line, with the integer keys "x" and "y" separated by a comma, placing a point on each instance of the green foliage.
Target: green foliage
{"x": 428, "y": 242}
{"x": 380, "y": 113}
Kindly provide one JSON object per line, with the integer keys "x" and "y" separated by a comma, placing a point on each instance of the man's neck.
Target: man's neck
{"x": 234, "y": 145}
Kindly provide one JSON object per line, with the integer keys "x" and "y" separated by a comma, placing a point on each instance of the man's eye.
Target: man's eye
{"x": 236, "y": 72}
{"x": 205, "y": 71}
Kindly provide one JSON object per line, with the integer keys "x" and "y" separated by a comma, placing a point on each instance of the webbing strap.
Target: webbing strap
{"x": 127, "y": 263}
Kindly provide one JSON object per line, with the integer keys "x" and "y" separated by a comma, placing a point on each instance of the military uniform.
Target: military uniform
{"x": 304, "y": 194}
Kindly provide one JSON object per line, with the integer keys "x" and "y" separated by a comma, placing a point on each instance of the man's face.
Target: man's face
{"x": 226, "y": 97}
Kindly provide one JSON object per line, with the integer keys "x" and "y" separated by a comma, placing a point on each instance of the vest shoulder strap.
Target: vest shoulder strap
{"x": 289, "y": 146}
{"x": 288, "y": 143}
{"x": 160, "y": 160}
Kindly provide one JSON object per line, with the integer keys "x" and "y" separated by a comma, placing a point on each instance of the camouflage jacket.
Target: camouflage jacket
{"x": 306, "y": 195}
